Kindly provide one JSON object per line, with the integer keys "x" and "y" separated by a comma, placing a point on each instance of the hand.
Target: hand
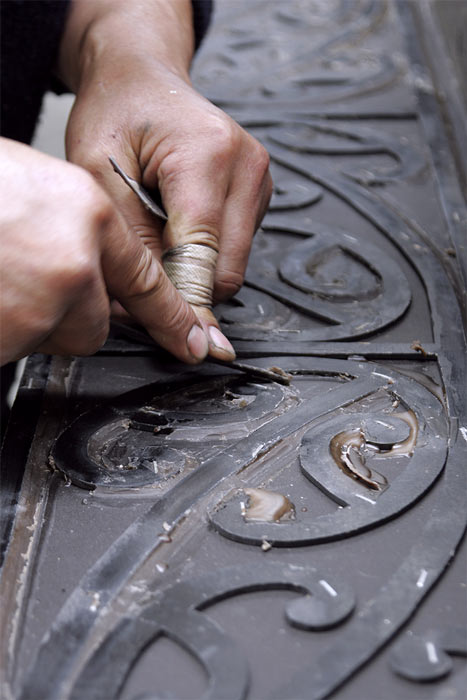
{"x": 135, "y": 103}
{"x": 63, "y": 248}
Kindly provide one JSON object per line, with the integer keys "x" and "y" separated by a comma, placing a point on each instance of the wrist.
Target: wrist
{"x": 110, "y": 36}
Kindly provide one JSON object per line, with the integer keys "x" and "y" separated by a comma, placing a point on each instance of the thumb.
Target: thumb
{"x": 137, "y": 280}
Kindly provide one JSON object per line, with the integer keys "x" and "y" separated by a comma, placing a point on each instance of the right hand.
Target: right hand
{"x": 64, "y": 249}
{"x": 128, "y": 63}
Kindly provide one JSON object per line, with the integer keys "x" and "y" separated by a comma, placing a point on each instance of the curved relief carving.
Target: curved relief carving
{"x": 345, "y": 290}
{"x": 331, "y": 79}
{"x": 291, "y": 194}
{"x": 348, "y": 292}
{"x": 360, "y": 457}
{"x": 63, "y": 645}
{"x": 105, "y": 579}
{"x": 178, "y": 613}
{"x": 373, "y": 459}
{"x": 317, "y": 137}
{"x": 318, "y": 70}
{"x": 159, "y": 431}
{"x": 326, "y": 327}
{"x": 428, "y": 658}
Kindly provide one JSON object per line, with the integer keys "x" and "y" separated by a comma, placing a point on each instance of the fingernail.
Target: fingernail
{"x": 220, "y": 341}
{"x": 197, "y": 343}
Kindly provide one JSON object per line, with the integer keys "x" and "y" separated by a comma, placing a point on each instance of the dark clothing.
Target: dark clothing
{"x": 30, "y": 37}
{"x": 7, "y": 375}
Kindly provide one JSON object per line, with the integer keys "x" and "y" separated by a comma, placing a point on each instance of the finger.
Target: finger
{"x": 141, "y": 221}
{"x": 137, "y": 280}
{"x": 244, "y": 209}
{"x": 140, "y": 286}
{"x": 194, "y": 199}
{"x": 219, "y": 346}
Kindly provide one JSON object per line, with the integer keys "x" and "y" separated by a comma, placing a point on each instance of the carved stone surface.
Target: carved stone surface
{"x": 178, "y": 532}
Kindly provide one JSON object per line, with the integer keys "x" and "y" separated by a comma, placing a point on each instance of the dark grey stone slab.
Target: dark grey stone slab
{"x": 176, "y": 532}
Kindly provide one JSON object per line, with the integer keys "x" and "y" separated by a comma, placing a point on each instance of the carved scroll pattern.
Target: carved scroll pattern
{"x": 368, "y": 399}
{"x": 358, "y": 454}
{"x": 327, "y": 285}
{"x": 317, "y": 68}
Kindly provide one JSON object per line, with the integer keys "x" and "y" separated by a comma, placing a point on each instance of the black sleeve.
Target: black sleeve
{"x": 202, "y": 10}
{"x": 30, "y": 37}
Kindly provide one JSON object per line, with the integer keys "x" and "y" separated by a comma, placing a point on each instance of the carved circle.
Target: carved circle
{"x": 158, "y": 431}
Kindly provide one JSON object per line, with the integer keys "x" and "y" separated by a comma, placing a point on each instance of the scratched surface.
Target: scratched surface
{"x": 174, "y": 532}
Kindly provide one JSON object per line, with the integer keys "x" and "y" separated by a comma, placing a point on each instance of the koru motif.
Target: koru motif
{"x": 178, "y": 614}
{"x": 429, "y": 657}
{"x": 148, "y": 501}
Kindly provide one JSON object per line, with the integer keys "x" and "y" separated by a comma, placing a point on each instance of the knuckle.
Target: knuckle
{"x": 75, "y": 263}
{"x": 91, "y": 161}
{"x": 227, "y": 284}
{"x": 37, "y": 324}
{"x": 224, "y": 138}
{"x": 82, "y": 336}
{"x": 89, "y": 203}
{"x": 74, "y": 270}
{"x": 202, "y": 227}
{"x": 146, "y": 278}
{"x": 177, "y": 319}
{"x": 173, "y": 170}
{"x": 95, "y": 201}
{"x": 261, "y": 160}
{"x": 269, "y": 188}
{"x": 206, "y": 234}
{"x": 75, "y": 274}
{"x": 90, "y": 342}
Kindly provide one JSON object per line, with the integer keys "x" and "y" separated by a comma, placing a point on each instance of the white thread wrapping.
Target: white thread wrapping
{"x": 191, "y": 268}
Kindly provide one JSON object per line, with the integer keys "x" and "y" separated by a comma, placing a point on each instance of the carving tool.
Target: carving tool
{"x": 140, "y": 192}
{"x": 273, "y": 374}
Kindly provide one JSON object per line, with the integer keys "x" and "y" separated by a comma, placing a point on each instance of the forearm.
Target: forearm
{"x": 110, "y": 36}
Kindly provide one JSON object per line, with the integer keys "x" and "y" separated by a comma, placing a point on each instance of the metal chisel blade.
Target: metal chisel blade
{"x": 140, "y": 192}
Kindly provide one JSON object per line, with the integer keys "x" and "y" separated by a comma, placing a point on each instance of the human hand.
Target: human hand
{"x": 63, "y": 248}
{"x": 138, "y": 106}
